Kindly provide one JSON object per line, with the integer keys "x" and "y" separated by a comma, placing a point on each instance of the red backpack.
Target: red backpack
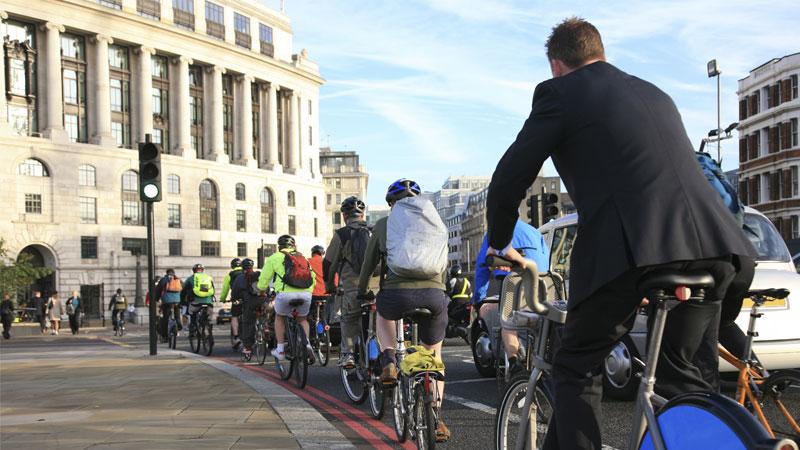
{"x": 298, "y": 271}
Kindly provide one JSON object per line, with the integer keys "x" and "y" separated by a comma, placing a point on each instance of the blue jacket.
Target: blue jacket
{"x": 526, "y": 238}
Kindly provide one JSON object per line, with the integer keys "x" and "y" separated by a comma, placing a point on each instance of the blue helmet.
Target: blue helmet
{"x": 402, "y": 188}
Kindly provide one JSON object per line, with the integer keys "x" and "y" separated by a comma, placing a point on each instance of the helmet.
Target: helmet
{"x": 247, "y": 264}
{"x": 352, "y": 206}
{"x": 236, "y": 262}
{"x": 285, "y": 241}
{"x": 401, "y": 189}
{"x": 455, "y": 271}
{"x": 198, "y": 268}
{"x": 318, "y": 249}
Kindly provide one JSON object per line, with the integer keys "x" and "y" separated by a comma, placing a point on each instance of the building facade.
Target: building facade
{"x": 344, "y": 177}
{"x": 769, "y": 154}
{"x": 454, "y": 193}
{"x": 215, "y": 83}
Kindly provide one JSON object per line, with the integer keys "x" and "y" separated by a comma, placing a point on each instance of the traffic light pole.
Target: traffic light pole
{"x": 151, "y": 269}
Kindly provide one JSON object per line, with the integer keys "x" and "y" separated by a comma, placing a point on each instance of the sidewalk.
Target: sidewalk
{"x": 82, "y": 393}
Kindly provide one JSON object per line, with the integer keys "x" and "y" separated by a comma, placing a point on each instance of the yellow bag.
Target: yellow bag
{"x": 421, "y": 360}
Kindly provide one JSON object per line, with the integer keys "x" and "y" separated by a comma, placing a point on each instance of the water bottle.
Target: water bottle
{"x": 372, "y": 349}
{"x": 320, "y": 327}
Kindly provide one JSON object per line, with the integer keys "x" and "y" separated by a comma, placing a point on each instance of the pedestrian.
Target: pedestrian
{"x": 7, "y": 314}
{"x": 117, "y": 306}
{"x": 39, "y": 309}
{"x": 54, "y": 311}
{"x": 74, "y": 310}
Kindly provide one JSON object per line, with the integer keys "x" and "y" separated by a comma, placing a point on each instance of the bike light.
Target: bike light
{"x": 683, "y": 293}
{"x": 327, "y": 327}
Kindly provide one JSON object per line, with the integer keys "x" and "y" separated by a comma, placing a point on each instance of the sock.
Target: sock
{"x": 280, "y": 348}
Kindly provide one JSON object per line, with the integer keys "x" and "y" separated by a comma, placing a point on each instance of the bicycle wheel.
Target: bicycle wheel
{"x": 399, "y": 412}
{"x": 194, "y": 338}
{"x": 172, "y": 335}
{"x": 201, "y": 338}
{"x": 353, "y": 379}
{"x": 323, "y": 347}
{"x": 424, "y": 423}
{"x": 300, "y": 357}
{"x": 261, "y": 345}
{"x": 780, "y": 401}
{"x": 716, "y": 422}
{"x": 507, "y": 418}
{"x": 377, "y": 399}
{"x": 286, "y": 366}
{"x": 209, "y": 338}
{"x": 122, "y": 330}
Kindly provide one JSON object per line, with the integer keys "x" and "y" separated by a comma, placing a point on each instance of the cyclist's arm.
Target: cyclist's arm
{"x": 482, "y": 274}
{"x": 187, "y": 288}
{"x": 226, "y": 287}
{"x": 372, "y": 257}
{"x": 330, "y": 263}
{"x": 267, "y": 272}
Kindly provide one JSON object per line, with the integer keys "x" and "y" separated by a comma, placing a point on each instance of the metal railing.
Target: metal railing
{"x": 183, "y": 19}
{"x": 215, "y": 29}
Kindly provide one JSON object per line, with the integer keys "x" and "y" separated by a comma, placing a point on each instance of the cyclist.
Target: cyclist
{"x": 118, "y": 305}
{"x": 459, "y": 289}
{"x": 168, "y": 292}
{"x": 242, "y": 289}
{"x": 285, "y": 283}
{"x": 317, "y": 265}
{"x": 345, "y": 256}
{"x": 530, "y": 243}
{"x": 236, "y": 302}
{"x": 398, "y": 295}
{"x": 198, "y": 290}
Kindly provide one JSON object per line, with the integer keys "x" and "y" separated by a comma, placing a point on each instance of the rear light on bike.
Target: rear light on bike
{"x": 683, "y": 293}
{"x": 327, "y": 327}
{"x": 786, "y": 444}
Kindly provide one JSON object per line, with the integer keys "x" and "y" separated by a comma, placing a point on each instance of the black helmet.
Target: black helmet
{"x": 171, "y": 272}
{"x": 320, "y": 250}
{"x": 455, "y": 271}
{"x": 353, "y": 207}
{"x": 401, "y": 189}
{"x": 285, "y": 241}
{"x": 198, "y": 268}
{"x": 236, "y": 262}
{"x": 247, "y": 263}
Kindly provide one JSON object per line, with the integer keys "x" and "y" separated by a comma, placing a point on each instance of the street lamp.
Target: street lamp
{"x": 713, "y": 71}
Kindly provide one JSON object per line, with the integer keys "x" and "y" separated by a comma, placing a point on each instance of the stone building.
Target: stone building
{"x": 216, "y": 83}
{"x": 344, "y": 177}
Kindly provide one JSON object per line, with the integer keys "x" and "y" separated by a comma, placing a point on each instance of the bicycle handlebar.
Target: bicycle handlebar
{"x": 530, "y": 280}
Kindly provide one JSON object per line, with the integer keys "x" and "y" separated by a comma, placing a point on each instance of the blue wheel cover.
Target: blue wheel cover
{"x": 687, "y": 427}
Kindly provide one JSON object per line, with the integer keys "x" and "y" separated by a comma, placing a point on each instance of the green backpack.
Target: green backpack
{"x": 203, "y": 285}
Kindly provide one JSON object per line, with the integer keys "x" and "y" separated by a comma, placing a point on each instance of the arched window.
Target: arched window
{"x": 208, "y": 206}
{"x": 87, "y": 175}
{"x": 240, "y": 194}
{"x": 173, "y": 184}
{"x": 267, "y": 211}
{"x": 132, "y": 208}
{"x": 290, "y": 198}
{"x": 33, "y": 168}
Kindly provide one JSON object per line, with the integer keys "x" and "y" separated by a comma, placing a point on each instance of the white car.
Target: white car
{"x": 778, "y": 342}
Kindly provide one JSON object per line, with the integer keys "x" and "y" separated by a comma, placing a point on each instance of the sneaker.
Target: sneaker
{"x": 389, "y": 374}
{"x": 247, "y": 353}
{"x": 310, "y": 353}
{"x": 237, "y": 343}
{"x": 280, "y": 356}
{"x": 442, "y": 432}
{"x": 347, "y": 361}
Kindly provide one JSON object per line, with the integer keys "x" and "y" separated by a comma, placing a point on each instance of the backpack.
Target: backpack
{"x": 297, "y": 271}
{"x": 174, "y": 284}
{"x": 202, "y": 285}
{"x": 416, "y": 240}
{"x": 720, "y": 184}
{"x": 354, "y": 245}
{"x": 251, "y": 280}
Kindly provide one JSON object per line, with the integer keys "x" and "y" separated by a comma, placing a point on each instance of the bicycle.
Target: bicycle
{"x": 363, "y": 380}
{"x": 296, "y": 354}
{"x": 414, "y": 396}
{"x": 320, "y": 336}
{"x": 120, "y": 328}
{"x": 756, "y": 388}
{"x": 201, "y": 336}
{"x": 172, "y": 330}
{"x": 263, "y": 337}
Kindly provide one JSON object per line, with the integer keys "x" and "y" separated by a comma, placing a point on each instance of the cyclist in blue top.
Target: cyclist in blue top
{"x": 530, "y": 243}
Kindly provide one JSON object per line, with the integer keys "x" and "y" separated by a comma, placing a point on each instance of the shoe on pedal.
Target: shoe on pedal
{"x": 310, "y": 353}
{"x": 442, "y": 432}
{"x": 280, "y": 356}
{"x": 347, "y": 361}
{"x": 389, "y": 374}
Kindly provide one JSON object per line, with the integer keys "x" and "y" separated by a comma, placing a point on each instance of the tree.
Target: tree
{"x": 20, "y": 273}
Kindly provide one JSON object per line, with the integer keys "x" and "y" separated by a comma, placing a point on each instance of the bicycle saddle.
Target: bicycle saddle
{"x": 769, "y": 294}
{"x": 669, "y": 279}
{"x": 417, "y": 314}
{"x": 296, "y": 302}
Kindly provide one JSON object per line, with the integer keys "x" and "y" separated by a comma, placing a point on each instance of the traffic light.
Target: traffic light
{"x": 533, "y": 210}
{"x": 149, "y": 172}
{"x": 549, "y": 207}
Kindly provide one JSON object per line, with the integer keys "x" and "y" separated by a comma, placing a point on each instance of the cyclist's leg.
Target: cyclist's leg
{"x": 282, "y": 309}
{"x": 302, "y": 312}
{"x": 350, "y": 320}
{"x": 164, "y": 320}
{"x": 730, "y": 335}
{"x": 247, "y": 329}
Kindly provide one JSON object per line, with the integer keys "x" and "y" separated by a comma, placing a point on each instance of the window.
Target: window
{"x": 309, "y": 108}
{"x": 196, "y": 108}
{"x": 337, "y": 218}
{"x": 241, "y": 220}
{"x": 290, "y": 198}
{"x": 118, "y": 132}
{"x": 87, "y": 175}
{"x": 316, "y": 227}
{"x": 315, "y": 202}
{"x": 227, "y": 113}
{"x": 794, "y": 133}
{"x": 116, "y": 4}
{"x": 71, "y": 126}
{"x": 209, "y": 248}
{"x": 795, "y": 227}
{"x": 310, "y": 136}
{"x": 183, "y": 13}
{"x": 136, "y": 246}
{"x": 71, "y": 86}
{"x": 563, "y": 240}
{"x": 19, "y": 53}
{"x": 208, "y": 206}
{"x": 794, "y": 181}
{"x": 240, "y": 191}
{"x": 794, "y": 86}
{"x": 173, "y": 184}
{"x": 265, "y": 40}
{"x": 338, "y": 183}
{"x": 174, "y": 217}
{"x": 119, "y": 83}
{"x": 88, "y": 209}
{"x": 160, "y": 72}
{"x": 88, "y": 247}
{"x": 292, "y": 225}
{"x": 175, "y": 247}
{"x": 329, "y": 198}
{"x": 32, "y": 168}
{"x": 73, "y": 62}
{"x": 33, "y": 203}
{"x": 241, "y": 249}
{"x": 215, "y": 20}
{"x": 132, "y": 208}
{"x": 241, "y": 24}
{"x": 255, "y": 90}
{"x": 267, "y": 211}
{"x": 149, "y": 8}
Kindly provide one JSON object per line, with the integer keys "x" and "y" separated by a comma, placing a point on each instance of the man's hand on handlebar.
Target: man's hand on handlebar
{"x": 512, "y": 255}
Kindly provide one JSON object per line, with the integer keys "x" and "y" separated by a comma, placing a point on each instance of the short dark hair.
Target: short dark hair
{"x": 574, "y": 41}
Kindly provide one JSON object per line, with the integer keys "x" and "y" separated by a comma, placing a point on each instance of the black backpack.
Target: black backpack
{"x": 354, "y": 245}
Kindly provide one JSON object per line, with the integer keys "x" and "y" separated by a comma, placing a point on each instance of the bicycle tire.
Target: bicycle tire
{"x": 424, "y": 423}
{"x": 172, "y": 337}
{"x": 194, "y": 339}
{"x": 286, "y": 366}
{"x": 377, "y": 399}
{"x": 209, "y": 338}
{"x": 398, "y": 412}
{"x": 261, "y": 346}
{"x": 201, "y": 338}
{"x": 122, "y": 330}
{"x": 300, "y": 357}
{"x": 780, "y": 395}
{"x": 352, "y": 379}
{"x": 506, "y": 434}
{"x": 717, "y": 422}
{"x": 323, "y": 348}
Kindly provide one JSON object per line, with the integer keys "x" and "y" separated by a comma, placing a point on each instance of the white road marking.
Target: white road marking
{"x": 475, "y": 380}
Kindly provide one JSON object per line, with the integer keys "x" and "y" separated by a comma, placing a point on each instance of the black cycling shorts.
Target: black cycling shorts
{"x": 393, "y": 303}
{"x": 236, "y": 308}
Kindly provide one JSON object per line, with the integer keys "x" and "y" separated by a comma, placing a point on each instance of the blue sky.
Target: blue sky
{"x": 430, "y": 88}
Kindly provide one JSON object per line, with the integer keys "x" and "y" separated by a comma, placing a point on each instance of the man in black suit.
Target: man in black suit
{"x": 620, "y": 146}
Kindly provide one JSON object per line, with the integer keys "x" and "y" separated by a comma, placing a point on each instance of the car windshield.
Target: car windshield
{"x": 765, "y": 239}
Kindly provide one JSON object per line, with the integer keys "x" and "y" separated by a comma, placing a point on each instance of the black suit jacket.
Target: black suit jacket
{"x": 620, "y": 147}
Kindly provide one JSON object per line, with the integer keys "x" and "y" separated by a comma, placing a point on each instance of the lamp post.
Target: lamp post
{"x": 713, "y": 71}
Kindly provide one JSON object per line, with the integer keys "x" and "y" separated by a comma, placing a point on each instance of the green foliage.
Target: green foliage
{"x": 20, "y": 273}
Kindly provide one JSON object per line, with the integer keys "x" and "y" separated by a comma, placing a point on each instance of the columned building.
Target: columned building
{"x": 344, "y": 177}
{"x": 216, "y": 83}
{"x": 769, "y": 154}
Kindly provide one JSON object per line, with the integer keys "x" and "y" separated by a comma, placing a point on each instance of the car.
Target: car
{"x": 778, "y": 342}
{"x": 796, "y": 261}
{"x": 223, "y": 312}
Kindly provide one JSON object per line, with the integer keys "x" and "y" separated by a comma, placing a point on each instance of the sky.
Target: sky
{"x": 424, "y": 89}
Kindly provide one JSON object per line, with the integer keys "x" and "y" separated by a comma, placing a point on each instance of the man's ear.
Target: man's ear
{"x": 557, "y": 68}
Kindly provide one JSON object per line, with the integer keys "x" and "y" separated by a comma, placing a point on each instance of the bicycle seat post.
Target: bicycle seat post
{"x": 747, "y": 354}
